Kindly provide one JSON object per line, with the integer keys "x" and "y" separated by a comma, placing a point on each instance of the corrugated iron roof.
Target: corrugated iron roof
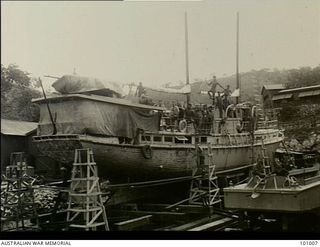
{"x": 300, "y": 89}
{"x": 282, "y": 96}
{"x": 274, "y": 86}
{"x": 17, "y": 128}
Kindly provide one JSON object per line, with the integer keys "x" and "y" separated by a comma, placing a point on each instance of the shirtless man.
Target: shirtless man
{"x": 213, "y": 89}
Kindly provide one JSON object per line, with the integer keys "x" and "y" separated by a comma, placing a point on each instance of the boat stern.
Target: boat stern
{"x": 57, "y": 147}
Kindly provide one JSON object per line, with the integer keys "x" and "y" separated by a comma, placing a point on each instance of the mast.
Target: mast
{"x": 49, "y": 110}
{"x": 186, "y": 53}
{"x": 237, "y": 59}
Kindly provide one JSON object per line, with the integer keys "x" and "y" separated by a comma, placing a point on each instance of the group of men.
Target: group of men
{"x": 220, "y": 101}
{"x": 200, "y": 116}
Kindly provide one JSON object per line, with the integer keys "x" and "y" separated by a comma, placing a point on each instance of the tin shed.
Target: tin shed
{"x": 16, "y": 137}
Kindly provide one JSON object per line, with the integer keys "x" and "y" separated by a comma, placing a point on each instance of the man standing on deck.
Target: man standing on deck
{"x": 174, "y": 115}
{"x": 226, "y": 96}
{"x": 139, "y": 90}
{"x": 220, "y": 105}
{"x": 181, "y": 111}
{"x": 189, "y": 114}
{"x": 213, "y": 89}
{"x": 210, "y": 118}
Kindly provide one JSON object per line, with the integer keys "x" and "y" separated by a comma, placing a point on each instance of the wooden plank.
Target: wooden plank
{"x": 180, "y": 208}
{"x": 157, "y": 216}
{"x": 195, "y": 223}
{"x": 139, "y": 212}
{"x": 211, "y": 225}
{"x": 151, "y": 206}
{"x": 133, "y": 223}
{"x": 193, "y": 209}
{"x": 177, "y": 203}
{"x": 189, "y": 225}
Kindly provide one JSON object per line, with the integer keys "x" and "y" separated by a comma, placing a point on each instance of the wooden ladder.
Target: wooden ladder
{"x": 19, "y": 205}
{"x": 204, "y": 189}
{"x": 265, "y": 160}
{"x": 85, "y": 204}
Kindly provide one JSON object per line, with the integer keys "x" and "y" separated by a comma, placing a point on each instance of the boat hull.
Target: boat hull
{"x": 126, "y": 162}
{"x": 299, "y": 199}
{"x": 167, "y": 162}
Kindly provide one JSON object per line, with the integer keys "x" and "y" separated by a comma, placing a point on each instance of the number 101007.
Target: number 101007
{"x": 312, "y": 243}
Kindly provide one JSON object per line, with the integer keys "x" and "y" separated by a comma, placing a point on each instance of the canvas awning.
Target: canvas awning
{"x": 96, "y": 115}
{"x": 184, "y": 90}
{"x": 69, "y": 84}
{"x": 236, "y": 93}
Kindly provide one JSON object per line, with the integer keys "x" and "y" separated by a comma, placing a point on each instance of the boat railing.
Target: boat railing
{"x": 216, "y": 139}
{"x": 269, "y": 124}
{"x": 56, "y": 137}
{"x": 196, "y": 125}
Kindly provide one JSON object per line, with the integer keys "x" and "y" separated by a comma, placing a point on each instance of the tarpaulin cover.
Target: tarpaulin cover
{"x": 84, "y": 116}
{"x": 76, "y": 84}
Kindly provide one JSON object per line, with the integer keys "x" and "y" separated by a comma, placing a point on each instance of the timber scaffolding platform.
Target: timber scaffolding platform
{"x": 198, "y": 211}
{"x": 162, "y": 217}
{"x": 154, "y": 215}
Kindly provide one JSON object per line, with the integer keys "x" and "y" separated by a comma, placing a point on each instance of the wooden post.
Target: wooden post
{"x": 187, "y": 53}
{"x": 237, "y": 59}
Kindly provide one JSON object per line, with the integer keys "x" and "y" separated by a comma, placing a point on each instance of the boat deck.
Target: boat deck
{"x": 294, "y": 199}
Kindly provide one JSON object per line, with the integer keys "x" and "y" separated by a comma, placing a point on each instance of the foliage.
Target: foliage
{"x": 17, "y": 90}
{"x": 252, "y": 81}
{"x": 304, "y": 76}
{"x": 300, "y": 121}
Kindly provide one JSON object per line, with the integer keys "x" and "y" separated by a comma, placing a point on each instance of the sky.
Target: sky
{"x": 144, "y": 41}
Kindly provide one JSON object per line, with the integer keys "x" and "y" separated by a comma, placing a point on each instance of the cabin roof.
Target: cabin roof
{"x": 272, "y": 87}
{"x": 301, "y": 92}
{"x": 300, "y": 89}
{"x": 98, "y": 98}
{"x": 17, "y": 128}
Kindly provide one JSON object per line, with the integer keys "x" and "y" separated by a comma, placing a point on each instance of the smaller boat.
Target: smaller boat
{"x": 293, "y": 187}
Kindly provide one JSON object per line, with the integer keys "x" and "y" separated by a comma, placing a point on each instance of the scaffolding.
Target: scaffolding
{"x": 85, "y": 205}
{"x": 18, "y": 209}
{"x": 204, "y": 188}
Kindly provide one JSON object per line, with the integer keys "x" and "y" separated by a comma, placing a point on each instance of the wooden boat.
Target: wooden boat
{"x": 132, "y": 147}
{"x": 129, "y": 142}
{"x": 297, "y": 191}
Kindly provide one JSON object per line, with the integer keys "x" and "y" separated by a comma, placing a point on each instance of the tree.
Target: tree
{"x": 305, "y": 76}
{"x": 16, "y": 93}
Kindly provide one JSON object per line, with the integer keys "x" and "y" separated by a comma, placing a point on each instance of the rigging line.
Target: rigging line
{"x": 151, "y": 182}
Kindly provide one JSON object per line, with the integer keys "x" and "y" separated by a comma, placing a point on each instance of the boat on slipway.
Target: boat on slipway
{"x": 130, "y": 143}
{"x": 294, "y": 188}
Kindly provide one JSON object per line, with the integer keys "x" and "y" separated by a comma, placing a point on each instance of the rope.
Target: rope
{"x": 153, "y": 182}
